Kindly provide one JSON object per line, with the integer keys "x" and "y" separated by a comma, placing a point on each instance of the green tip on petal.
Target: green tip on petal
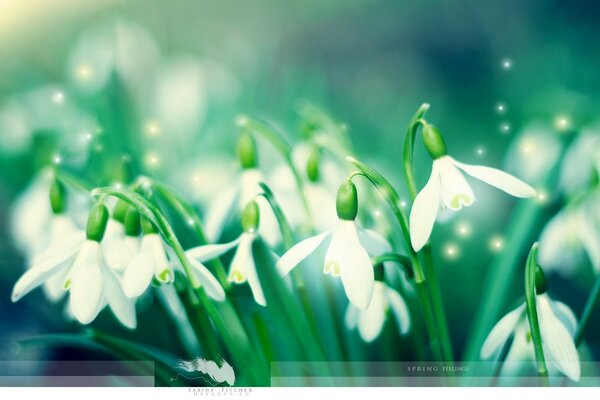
{"x": 347, "y": 201}
{"x": 120, "y": 211}
{"x": 58, "y": 197}
{"x": 132, "y": 222}
{"x": 250, "y": 217}
{"x": 67, "y": 284}
{"x": 434, "y": 142}
{"x": 541, "y": 284}
{"x": 165, "y": 276}
{"x": 312, "y": 166}
{"x": 246, "y": 149}
{"x": 148, "y": 226}
{"x": 96, "y": 224}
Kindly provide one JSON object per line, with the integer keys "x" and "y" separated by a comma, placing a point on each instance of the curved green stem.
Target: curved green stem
{"x": 287, "y": 234}
{"x": 400, "y": 259}
{"x": 430, "y": 271}
{"x": 532, "y": 315}
{"x": 391, "y": 196}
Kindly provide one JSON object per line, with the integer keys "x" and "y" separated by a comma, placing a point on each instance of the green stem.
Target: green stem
{"x": 430, "y": 271}
{"x": 391, "y": 196}
{"x": 591, "y": 303}
{"x": 532, "y": 315}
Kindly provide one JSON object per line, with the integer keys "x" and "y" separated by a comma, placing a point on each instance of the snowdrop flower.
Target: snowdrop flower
{"x": 90, "y": 281}
{"x": 581, "y": 164}
{"x": 347, "y": 255}
{"x": 121, "y": 240}
{"x": 320, "y": 172}
{"x": 447, "y": 187}
{"x": 570, "y": 234}
{"x": 557, "y": 327}
{"x": 370, "y": 321}
{"x": 243, "y": 190}
{"x": 150, "y": 261}
{"x": 242, "y": 268}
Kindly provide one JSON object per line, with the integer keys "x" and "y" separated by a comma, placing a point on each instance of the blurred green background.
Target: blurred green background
{"x": 488, "y": 69}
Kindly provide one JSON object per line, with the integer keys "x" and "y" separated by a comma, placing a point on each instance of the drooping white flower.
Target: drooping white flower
{"x": 581, "y": 164}
{"x": 347, "y": 254}
{"x": 121, "y": 241}
{"x": 321, "y": 175}
{"x": 557, "y": 327}
{"x": 370, "y": 321}
{"x": 447, "y": 187}
{"x": 90, "y": 281}
{"x": 570, "y": 234}
{"x": 244, "y": 189}
{"x": 243, "y": 267}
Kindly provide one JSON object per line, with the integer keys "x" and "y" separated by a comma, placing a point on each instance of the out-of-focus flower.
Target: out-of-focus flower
{"x": 533, "y": 153}
{"x": 557, "y": 327}
{"x": 581, "y": 164}
{"x": 242, "y": 191}
{"x": 347, "y": 254}
{"x": 570, "y": 234}
{"x": 448, "y": 188}
{"x": 370, "y": 321}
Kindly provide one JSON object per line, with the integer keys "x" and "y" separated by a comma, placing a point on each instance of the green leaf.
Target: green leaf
{"x": 284, "y": 226}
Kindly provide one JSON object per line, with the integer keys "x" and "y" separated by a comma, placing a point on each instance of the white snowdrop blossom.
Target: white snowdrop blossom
{"x": 244, "y": 189}
{"x": 90, "y": 281}
{"x": 370, "y": 321}
{"x": 581, "y": 164}
{"x": 570, "y": 234}
{"x": 557, "y": 327}
{"x": 243, "y": 267}
{"x": 121, "y": 240}
{"x": 321, "y": 175}
{"x": 448, "y": 189}
{"x": 347, "y": 253}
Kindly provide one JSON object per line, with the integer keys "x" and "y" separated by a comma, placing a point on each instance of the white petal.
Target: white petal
{"x": 400, "y": 310}
{"x": 210, "y": 284}
{"x": 351, "y": 317}
{"x": 243, "y": 262}
{"x": 371, "y": 320}
{"x": 424, "y": 210}
{"x": 138, "y": 275}
{"x": 499, "y": 179}
{"x": 57, "y": 257}
{"x": 373, "y": 242}
{"x": 455, "y": 190}
{"x": 557, "y": 340}
{"x": 54, "y": 287}
{"x": 116, "y": 252}
{"x": 565, "y": 315}
{"x": 558, "y": 243}
{"x": 114, "y": 228}
{"x": 590, "y": 239}
{"x": 162, "y": 269}
{"x": 269, "y": 226}
{"x": 218, "y": 211}
{"x": 501, "y": 332}
{"x": 86, "y": 286}
{"x": 121, "y": 306}
{"x": 299, "y": 252}
{"x": 353, "y": 262}
{"x": 209, "y": 251}
{"x": 249, "y": 189}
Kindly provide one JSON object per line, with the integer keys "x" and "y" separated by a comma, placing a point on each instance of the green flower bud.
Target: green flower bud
{"x": 96, "y": 224}
{"x": 246, "y": 149}
{"x": 132, "y": 222}
{"x": 58, "y": 197}
{"x": 148, "y": 226}
{"x": 540, "y": 280}
{"x": 312, "y": 165}
{"x": 378, "y": 269}
{"x": 434, "y": 142}
{"x": 250, "y": 217}
{"x": 346, "y": 202}
{"x": 120, "y": 211}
